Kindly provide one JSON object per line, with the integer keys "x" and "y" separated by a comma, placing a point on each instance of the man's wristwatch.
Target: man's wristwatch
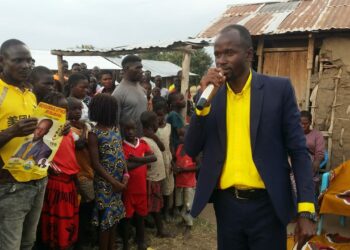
{"x": 308, "y": 215}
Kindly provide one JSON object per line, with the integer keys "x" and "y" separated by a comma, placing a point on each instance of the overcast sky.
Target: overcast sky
{"x": 59, "y": 24}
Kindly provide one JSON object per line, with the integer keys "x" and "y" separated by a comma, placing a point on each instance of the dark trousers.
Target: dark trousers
{"x": 248, "y": 224}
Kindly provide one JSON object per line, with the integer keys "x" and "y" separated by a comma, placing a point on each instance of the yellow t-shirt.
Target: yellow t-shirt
{"x": 15, "y": 105}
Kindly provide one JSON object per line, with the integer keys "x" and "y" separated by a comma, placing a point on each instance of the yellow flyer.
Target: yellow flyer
{"x": 31, "y": 159}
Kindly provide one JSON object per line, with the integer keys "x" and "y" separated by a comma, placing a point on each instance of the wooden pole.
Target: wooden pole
{"x": 186, "y": 76}
{"x": 60, "y": 70}
{"x": 331, "y": 127}
{"x": 260, "y": 54}
{"x": 310, "y": 63}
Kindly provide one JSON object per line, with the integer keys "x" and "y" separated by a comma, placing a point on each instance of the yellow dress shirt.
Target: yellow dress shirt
{"x": 239, "y": 169}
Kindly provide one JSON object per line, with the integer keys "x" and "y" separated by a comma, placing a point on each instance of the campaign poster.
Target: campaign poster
{"x": 31, "y": 159}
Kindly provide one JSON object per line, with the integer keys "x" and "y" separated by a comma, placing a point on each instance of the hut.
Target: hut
{"x": 185, "y": 46}
{"x": 309, "y": 42}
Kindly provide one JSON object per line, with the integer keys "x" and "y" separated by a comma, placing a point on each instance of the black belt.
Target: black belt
{"x": 247, "y": 194}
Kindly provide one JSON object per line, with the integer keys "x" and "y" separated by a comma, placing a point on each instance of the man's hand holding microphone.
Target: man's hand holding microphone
{"x": 210, "y": 84}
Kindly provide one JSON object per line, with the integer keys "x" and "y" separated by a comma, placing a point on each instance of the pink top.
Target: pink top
{"x": 315, "y": 144}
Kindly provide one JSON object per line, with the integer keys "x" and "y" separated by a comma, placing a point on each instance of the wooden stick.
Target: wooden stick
{"x": 60, "y": 70}
{"x": 331, "y": 127}
{"x": 260, "y": 53}
{"x": 186, "y": 77}
{"x": 310, "y": 62}
{"x": 293, "y": 49}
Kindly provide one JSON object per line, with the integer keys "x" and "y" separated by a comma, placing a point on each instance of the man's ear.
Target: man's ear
{"x": 1, "y": 61}
{"x": 250, "y": 54}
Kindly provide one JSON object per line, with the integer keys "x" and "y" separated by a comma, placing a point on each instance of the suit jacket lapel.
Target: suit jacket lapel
{"x": 220, "y": 113}
{"x": 256, "y": 103}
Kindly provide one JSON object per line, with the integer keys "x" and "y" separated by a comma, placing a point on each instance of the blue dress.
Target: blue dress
{"x": 109, "y": 208}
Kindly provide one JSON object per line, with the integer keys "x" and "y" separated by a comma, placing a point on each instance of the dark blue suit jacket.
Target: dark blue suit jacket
{"x": 39, "y": 151}
{"x": 275, "y": 133}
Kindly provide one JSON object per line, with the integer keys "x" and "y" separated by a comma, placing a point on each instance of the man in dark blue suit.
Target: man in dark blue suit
{"x": 246, "y": 133}
{"x": 37, "y": 149}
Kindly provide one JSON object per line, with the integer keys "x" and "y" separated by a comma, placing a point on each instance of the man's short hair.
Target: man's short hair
{"x": 9, "y": 43}
{"x": 75, "y": 64}
{"x": 37, "y": 72}
{"x": 130, "y": 59}
{"x": 244, "y": 34}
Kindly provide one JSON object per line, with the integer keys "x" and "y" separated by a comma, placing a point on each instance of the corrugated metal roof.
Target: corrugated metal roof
{"x": 45, "y": 58}
{"x": 162, "y": 68}
{"x": 279, "y": 7}
{"x": 133, "y": 49}
{"x": 284, "y": 17}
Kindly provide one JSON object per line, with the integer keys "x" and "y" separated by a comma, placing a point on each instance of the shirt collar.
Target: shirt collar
{"x": 132, "y": 145}
{"x": 5, "y": 84}
{"x": 246, "y": 87}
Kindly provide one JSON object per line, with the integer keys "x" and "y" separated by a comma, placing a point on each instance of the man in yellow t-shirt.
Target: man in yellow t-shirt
{"x": 246, "y": 133}
{"x": 21, "y": 203}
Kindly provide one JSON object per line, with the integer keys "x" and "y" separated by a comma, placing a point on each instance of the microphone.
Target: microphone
{"x": 206, "y": 96}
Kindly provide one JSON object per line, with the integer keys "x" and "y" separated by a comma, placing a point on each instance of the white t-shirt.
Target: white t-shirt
{"x": 157, "y": 170}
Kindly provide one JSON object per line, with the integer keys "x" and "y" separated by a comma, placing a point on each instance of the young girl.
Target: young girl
{"x": 106, "y": 152}
{"x": 163, "y": 134}
{"x": 79, "y": 86}
{"x": 60, "y": 213}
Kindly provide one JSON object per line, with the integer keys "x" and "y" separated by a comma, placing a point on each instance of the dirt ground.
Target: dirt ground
{"x": 204, "y": 233}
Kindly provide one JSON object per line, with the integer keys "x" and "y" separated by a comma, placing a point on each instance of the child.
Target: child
{"x": 106, "y": 152}
{"x": 177, "y": 104}
{"x": 43, "y": 83}
{"x": 185, "y": 170}
{"x": 60, "y": 219}
{"x": 138, "y": 154}
{"x": 86, "y": 175}
{"x": 79, "y": 86}
{"x": 156, "y": 172}
{"x": 163, "y": 133}
{"x": 148, "y": 89}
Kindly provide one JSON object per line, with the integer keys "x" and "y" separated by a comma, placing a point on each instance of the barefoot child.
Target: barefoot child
{"x": 185, "y": 171}
{"x": 156, "y": 172}
{"x": 138, "y": 154}
{"x": 163, "y": 133}
{"x": 106, "y": 152}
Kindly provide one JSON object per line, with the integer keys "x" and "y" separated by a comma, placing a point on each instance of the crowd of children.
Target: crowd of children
{"x": 105, "y": 177}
